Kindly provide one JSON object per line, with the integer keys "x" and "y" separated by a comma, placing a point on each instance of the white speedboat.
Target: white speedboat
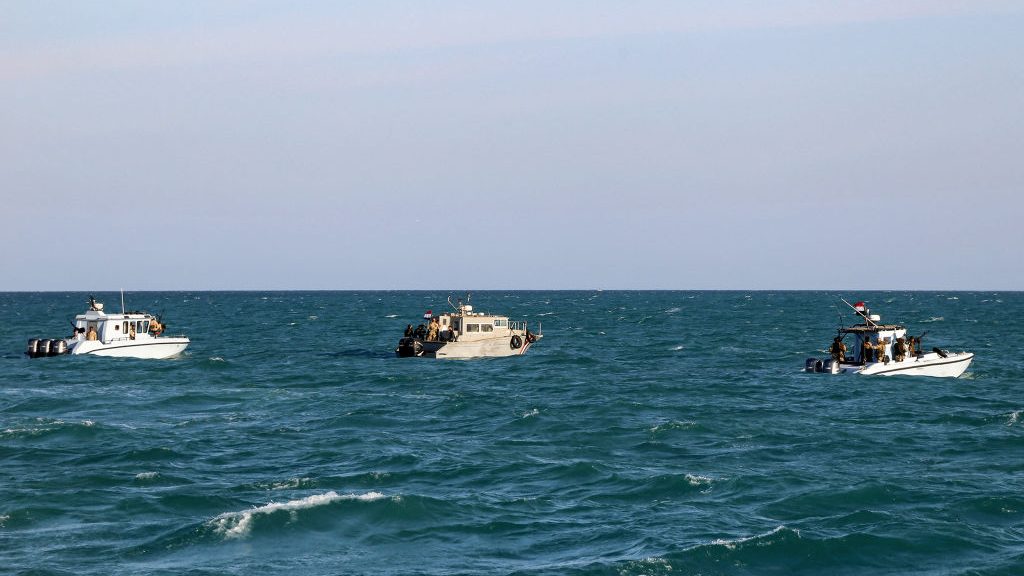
{"x": 124, "y": 335}
{"x": 886, "y": 350}
{"x": 466, "y": 334}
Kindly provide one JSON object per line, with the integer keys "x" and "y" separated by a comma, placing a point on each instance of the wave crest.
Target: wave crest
{"x": 234, "y": 525}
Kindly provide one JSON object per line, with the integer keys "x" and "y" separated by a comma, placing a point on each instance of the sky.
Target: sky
{"x": 448, "y": 145}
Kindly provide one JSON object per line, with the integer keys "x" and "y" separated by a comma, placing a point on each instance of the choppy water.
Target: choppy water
{"x": 647, "y": 433}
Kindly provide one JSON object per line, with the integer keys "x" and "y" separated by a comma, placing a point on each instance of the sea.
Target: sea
{"x": 646, "y": 433}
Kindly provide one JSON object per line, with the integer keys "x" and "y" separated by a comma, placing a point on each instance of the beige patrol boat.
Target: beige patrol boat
{"x": 464, "y": 333}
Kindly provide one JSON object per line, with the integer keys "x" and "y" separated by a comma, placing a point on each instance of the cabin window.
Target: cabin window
{"x": 486, "y": 327}
{"x": 455, "y": 324}
{"x": 472, "y": 327}
{"x": 146, "y": 326}
{"x": 501, "y": 322}
{"x": 125, "y": 326}
{"x": 117, "y": 327}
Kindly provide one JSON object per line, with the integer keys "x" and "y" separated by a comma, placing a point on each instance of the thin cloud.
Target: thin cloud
{"x": 454, "y": 27}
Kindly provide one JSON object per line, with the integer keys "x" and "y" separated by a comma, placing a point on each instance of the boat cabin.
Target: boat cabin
{"x": 107, "y": 328}
{"x": 468, "y": 325}
{"x": 881, "y": 336}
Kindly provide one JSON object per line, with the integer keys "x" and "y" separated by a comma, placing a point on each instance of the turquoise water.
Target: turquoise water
{"x": 647, "y": 433}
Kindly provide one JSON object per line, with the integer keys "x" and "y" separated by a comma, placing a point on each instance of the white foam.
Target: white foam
{"x": 239, "y": 524}
{"x": 217, "y": 359}
{"x": 696, "y": 480}
{"x": 534, "y": 412}
{"x": 677, "y": 348}
{"x": 392, "y": 316}
{"x": 731, "y": 544}
{"x": 673, "y": 310}
{"x": 290, "y": 484}
{"x": 146, "y": 475}
{"x": 88, "y": 423}
{"x": 652, "y": 565}
{"x": 1014, "y": 418}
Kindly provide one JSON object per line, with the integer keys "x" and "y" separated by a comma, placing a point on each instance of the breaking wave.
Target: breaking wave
{"x": 234, "y": 525}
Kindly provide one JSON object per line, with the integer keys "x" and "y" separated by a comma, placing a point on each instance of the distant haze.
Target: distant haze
{"x": 454, "y": 145}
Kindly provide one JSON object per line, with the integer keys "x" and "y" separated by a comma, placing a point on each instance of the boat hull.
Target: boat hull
{"x": 489, "y": 348}
{"x": 952, "y": 365}
{"x": 150, "y": 348}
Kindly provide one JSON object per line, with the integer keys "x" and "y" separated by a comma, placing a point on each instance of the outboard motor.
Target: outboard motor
{"x": 43, "y": 347}
{"x": 809, "y": 364}
{"x": 58, "y": 347}
{"x": 408, "y": 347}
{"x": 830, "y": 366}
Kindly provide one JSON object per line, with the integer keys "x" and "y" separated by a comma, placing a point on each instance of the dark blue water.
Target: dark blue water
{"x": 647, "y": 433}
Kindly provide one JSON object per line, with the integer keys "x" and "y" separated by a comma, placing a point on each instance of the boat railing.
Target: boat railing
{"x": 520, "y": 326}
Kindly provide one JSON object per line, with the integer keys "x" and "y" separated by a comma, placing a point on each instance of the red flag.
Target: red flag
{"x": 859, "y": 307}
{"x": 428, "y": 314}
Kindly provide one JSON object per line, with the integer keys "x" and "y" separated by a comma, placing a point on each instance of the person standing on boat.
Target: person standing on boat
{"x": 899, "y": 350}
{"x": 432, "y": 330}
{"x": 838, "y": 350}
{"x": 408, "y": 330}
{"x": 880, "y": 355}
{"x": 867, "y": 351}
{"x": 91, "y": 334}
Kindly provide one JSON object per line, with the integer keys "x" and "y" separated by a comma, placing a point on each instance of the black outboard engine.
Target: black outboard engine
{"x": 58, "y": 347}
{"x": 810, "y": 364}
{"x": 409, "y": 347}
{"x": 43, "y": 347}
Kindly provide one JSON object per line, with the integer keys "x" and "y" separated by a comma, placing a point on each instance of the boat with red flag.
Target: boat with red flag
{"x": 464, "y": 333}
{"x": 872, "y": 348}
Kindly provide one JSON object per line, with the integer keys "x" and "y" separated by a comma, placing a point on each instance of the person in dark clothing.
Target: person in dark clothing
{"x": 867, "y": 351}
{"x": 899, "y": 350}
{"x": 838, "y": 350}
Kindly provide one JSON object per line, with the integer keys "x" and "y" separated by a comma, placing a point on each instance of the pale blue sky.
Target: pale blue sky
{"x": 475, "y": 145}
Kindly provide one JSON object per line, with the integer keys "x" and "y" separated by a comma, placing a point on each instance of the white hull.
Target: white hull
{"x": 494, "y": 348}
{"x": 932, "y": 364}
{"x": 489, "y": 348}
{"x": 148, "y": 348}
